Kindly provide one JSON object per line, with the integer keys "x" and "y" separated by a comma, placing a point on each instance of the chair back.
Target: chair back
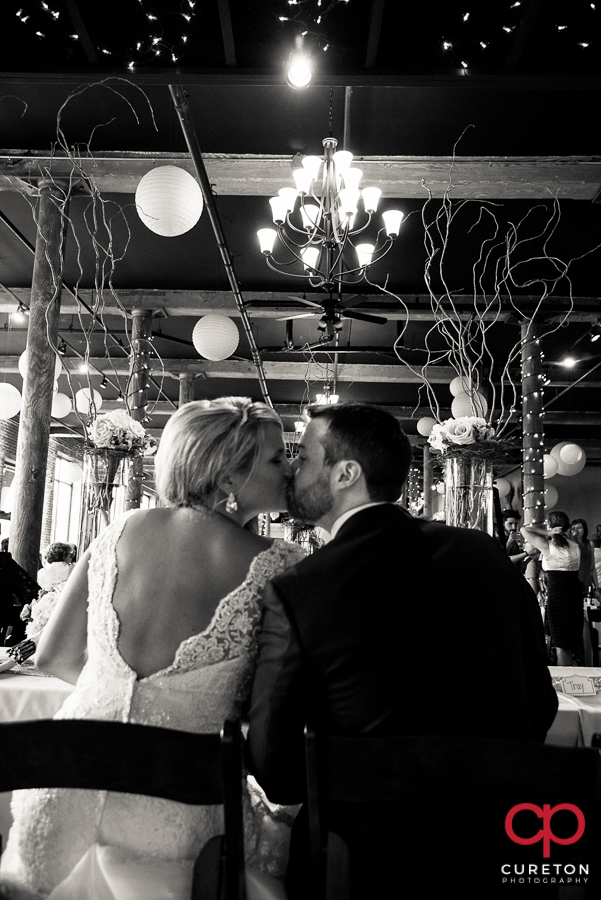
{"x": 438, "y": 773}
{"x": 198, "y": 769}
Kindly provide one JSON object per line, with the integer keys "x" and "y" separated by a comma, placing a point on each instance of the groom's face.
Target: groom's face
{"x": 309, "y": 494}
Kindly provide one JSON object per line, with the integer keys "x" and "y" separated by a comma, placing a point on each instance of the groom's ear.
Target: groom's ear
{"x": 346, "y": 473}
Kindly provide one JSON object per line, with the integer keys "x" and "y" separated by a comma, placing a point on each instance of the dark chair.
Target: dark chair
{"x": 199, "y": 769}
{"x": 445, "y": 799}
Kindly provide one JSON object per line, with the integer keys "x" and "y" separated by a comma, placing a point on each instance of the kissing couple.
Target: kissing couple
{"x": 171, "y": 610}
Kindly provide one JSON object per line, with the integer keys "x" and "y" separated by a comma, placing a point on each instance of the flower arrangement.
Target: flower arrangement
{"x": 468, "y": 436}
{"x": 38, "y": 612}
{"x": 118, "y": 431}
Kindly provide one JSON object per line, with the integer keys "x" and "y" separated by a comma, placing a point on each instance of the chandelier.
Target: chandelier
{"x": 322, "y": 236}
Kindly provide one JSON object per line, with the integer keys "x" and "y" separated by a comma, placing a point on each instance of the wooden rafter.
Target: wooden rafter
{"x": 82, "y": 32}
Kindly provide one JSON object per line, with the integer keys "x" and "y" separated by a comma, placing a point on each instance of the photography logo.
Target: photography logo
{"x": 546, "y": 872}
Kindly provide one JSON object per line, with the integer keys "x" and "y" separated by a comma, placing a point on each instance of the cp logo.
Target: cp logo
{"x": 545, "y": 834}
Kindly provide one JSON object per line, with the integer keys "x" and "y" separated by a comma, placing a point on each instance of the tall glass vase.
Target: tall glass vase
{"x": 469, "y": 492}
{"x": 104, "y": 470}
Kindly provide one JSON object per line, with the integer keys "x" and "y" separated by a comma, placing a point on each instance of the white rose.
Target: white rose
{"x": 101, "y": 431}
{"x": 120, "y": 418}
{"x": 436, "y": 437}
{"x": 460, "y": 431}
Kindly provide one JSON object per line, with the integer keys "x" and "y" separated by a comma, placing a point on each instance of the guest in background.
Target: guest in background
{"x": 586, "y": 571}
{"x": 561, "y": 560}
{"x": 57, "y": 565}
{"x": 514, "y": 544}
{"x": 596, "y": 542}
{"x": 73, "y": 553}
{"x": 17, "y": 589}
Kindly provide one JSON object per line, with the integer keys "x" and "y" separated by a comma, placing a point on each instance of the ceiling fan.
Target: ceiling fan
{"x": 332, "y": 310}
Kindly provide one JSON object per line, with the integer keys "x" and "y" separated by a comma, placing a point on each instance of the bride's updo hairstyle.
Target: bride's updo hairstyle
{"x": 206, "y": 440}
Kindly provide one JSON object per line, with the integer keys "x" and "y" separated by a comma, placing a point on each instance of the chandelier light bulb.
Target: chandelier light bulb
{"x": 312, "y": 165}
{"x": 348, "y": 201}
{"x": 364, "y": 254}
{"x": 299, "y": 73}
{"x": 267, "y": 238}
{"x": 351, "y": 178}
{"x": 310, "y": 215}
{"x": 392, "y": 222}
{"x": 310, "y": 255}
{"x": 302, "y": 180}
{"x": 289, "y": 196}
{"x": 371, "y": 197}
{"x": 279, "y": 208}
{"x": 342, "y": 160}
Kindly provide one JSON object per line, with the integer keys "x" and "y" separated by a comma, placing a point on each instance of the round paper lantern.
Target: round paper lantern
{"x": 564, "y": 469}
{"x": 460, "y": 385}
{"x": 462, "y": 405}
{"x": 215, "y": 336}
{"x": 169, "y": 201}
{"x": 76, "y": 472}
{"x": 503, "y": 486}
{"x": 571, "y": 454}
{"x": 61, "y": 406}
{"x": 549, "y": 465}
{"x": 83, "y": 401}
{"x": 556, "y": 450}
{"x": 551, "y": 496}
{"x": 22, "y": 364}
{"x": 10, "y": 401}
{"x": 440, "y": 487}
{"x": 425, "y": 425}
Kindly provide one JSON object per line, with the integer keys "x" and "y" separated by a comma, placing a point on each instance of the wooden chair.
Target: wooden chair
{"x": 199, "y": 769}
{"x": 432, "y": 776}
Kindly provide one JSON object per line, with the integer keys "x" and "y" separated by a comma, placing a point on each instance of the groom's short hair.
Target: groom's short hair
{"x": 371, "y": 436}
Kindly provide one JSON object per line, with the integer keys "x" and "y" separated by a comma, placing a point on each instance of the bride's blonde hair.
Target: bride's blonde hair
{"x": 206, "y": 440}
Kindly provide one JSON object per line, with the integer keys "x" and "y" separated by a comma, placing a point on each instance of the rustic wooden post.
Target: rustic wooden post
{"x": 137, "y": 395}
{"x": 42, "y": 336}
{"x": 428, "y": 472}
{"x": 186, "y": 388}
{"x": 533, "y": 436}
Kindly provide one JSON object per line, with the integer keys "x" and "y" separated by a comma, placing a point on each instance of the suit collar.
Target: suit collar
{"x": 366, "y": 517}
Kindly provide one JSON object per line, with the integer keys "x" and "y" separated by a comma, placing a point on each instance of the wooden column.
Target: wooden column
{"x": 42, "y": 337}
{"x": 428, "y": 493}
{"x": 533, "y": 438}
{"x": 137, "y": 395}
{"x": 186, "y": 388}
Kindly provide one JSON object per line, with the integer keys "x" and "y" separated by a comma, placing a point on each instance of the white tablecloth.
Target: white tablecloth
{"x": 27, "y": 697}
{"x": 578, "y": 718}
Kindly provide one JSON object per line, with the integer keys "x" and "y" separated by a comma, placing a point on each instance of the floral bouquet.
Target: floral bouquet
{"x": 39, "y": 611}
{"x": 118, "y": 431}
{"x": 468, "y": 436}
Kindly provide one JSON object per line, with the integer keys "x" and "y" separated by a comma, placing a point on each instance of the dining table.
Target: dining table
{"x": 578, "y": 717}
{"x": 26, "y": 693}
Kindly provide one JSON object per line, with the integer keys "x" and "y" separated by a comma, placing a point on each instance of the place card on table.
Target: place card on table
{"x": 579, "y": 685}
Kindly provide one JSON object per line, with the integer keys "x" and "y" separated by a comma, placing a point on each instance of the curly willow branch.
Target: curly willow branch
{"x": 108, "y": 245}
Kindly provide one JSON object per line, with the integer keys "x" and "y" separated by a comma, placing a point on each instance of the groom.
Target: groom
{"x": 396, "y": 626}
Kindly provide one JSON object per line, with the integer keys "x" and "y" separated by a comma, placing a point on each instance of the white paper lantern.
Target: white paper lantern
{"x": 169, "y": 201}
{"x": 83, "y": 401}
{"x": 460, "y": 385}
{"x": 22, "y": 364}
{"x": 549, "y": 465}
{"x": 76, "y": 472}
{"x": 440, "y": 487}
{"x": 503, "y": 486}
{"x": 61, "y": 406}
{"x": 425, "y": 425}
{"x": 462, "y": 405}
{"x": 551, "y": 496}
{"x": 571, "y": 454}
{"x": 10, "y": 401}
{"x": 556, "y": 450}
{"x": 215, "y": 336}
{"x": 567, "y": 470}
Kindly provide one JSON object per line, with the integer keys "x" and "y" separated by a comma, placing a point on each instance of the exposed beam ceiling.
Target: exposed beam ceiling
{"x": 406, "y": 177}
{"x": 274, "y": 304}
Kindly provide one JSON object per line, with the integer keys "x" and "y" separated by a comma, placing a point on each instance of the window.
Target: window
{"x": 67, "y": 501}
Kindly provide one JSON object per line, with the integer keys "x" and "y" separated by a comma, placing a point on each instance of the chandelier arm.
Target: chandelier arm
{"x": 293, "y": 274}
{"x": 301, "y": 230}
{"x": 289, "y": 243}
{"x": 363, "y": 227}
{"x": 342, "y": 279}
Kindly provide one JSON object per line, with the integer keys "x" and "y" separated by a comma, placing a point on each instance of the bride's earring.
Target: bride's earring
{"x": 231, "y": 504}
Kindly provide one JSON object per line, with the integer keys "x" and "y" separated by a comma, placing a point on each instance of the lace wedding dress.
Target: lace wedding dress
{"x": 76, "y": 844}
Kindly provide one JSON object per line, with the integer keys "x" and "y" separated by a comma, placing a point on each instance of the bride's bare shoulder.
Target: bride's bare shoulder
{"x": 195, "y": 524}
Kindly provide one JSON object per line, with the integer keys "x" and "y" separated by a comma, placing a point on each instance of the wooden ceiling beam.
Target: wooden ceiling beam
{"x": 401, "y": 177}
{"x": 227, "y": 32}
{"x": 245, "y": 369}
{"x": 275, "y": 304}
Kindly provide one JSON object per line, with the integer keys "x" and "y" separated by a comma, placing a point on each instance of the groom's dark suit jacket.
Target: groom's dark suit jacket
{"x": 397, "y": 626}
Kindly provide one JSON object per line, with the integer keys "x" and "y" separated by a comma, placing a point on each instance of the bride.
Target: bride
{"x": 157, "y": 625}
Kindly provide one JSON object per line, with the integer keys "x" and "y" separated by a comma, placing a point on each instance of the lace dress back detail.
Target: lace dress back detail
{"x": 208, "y": 680}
